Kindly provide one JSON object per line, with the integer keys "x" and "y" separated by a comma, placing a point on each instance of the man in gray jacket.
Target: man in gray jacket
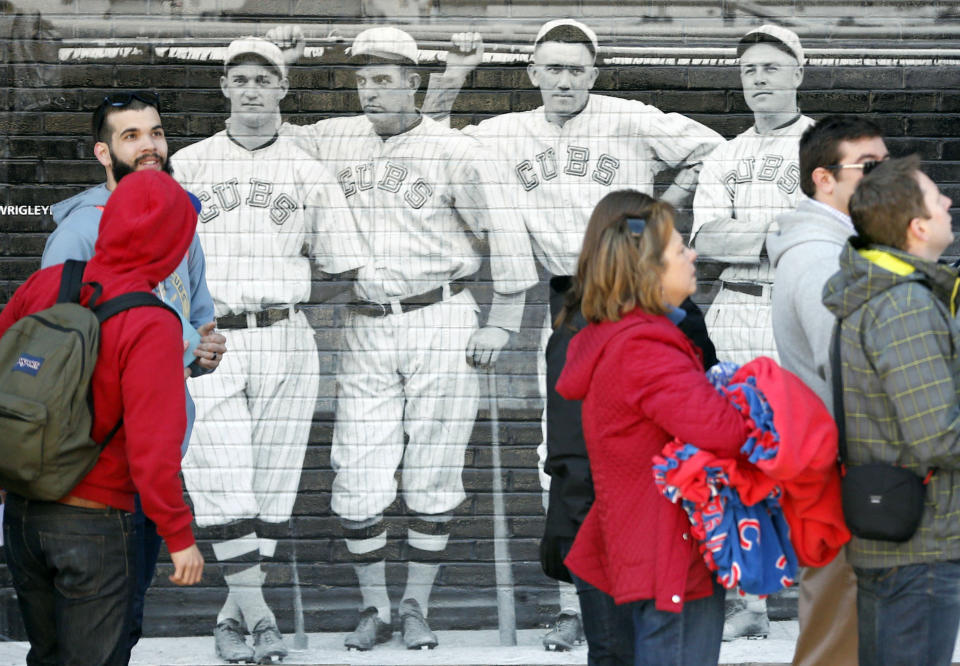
{"x": 834, "y": 153}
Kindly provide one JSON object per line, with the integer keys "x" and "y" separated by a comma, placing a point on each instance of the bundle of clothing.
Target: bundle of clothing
{"x": 777, "y": 504}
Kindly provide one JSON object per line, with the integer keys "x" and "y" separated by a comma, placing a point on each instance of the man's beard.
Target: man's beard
{"x": 119, "y": 168}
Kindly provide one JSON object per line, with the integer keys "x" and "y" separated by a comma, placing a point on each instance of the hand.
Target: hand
{"x": 676, "y": 196}
{"x": 290, "y": 39}
{"x": 212, "y": 346}
{"x": 484, "y": 346}
{"x": 466, "y": 52}
{"x": 187, "y": 566}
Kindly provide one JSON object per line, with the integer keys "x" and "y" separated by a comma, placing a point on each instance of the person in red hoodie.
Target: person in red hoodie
{"x": 642, "y": 383}
{"x": 71, "y": 560}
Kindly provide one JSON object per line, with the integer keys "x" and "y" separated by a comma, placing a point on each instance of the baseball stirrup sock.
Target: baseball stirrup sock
{"x": 240, "y": 560}
{"x": 368, "y": 546}
{"x": 427, "y": 540}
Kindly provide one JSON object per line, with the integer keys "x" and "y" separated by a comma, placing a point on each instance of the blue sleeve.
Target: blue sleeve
{"x": 201, "y": 303}
{"x": 72, "y": 239}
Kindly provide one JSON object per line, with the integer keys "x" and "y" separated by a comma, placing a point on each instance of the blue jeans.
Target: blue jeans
{"x": 146, "y": 550}
{"x": 909, "y": 614}
{"x": 72, "y": 569}
{"x": 689, "y": 638}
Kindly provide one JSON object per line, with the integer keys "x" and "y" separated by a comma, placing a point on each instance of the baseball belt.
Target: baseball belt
{"x": 375, "y": 309}
{"x": 254, "y": 319}
{"x": 745, "y": 288}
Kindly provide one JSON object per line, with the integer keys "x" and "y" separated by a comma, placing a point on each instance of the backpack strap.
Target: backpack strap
{"x": 838, "y": 412}
{"x": 116, "y": 305}
{"x": 70, "y": 281}
{"x": 134, "y": 299}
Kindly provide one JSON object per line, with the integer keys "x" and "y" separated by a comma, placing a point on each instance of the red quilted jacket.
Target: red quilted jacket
{"x": 642, "y": 383}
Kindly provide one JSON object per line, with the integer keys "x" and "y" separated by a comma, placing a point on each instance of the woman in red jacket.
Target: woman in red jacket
{"x": 642, "y": 383}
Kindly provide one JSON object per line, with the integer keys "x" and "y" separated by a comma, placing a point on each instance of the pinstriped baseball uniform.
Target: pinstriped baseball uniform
{"x": 422, "y": 203}
{"x": 261, "y": 208}
{"x": 556, "y": 175}
{"x": 744, "y": 185}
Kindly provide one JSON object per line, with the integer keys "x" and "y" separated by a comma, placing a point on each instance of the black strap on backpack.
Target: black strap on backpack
{"x": 71, "y": 282}
{"x": 839, "y": 415}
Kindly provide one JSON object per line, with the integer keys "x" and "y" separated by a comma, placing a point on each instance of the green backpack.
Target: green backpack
{"x": 46, "y": 406}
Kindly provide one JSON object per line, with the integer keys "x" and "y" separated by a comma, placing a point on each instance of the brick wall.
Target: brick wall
{"x": 897, "y": 62}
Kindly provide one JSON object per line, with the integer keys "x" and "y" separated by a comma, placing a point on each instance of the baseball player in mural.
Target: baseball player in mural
{"x": 265, "y": 203}
{"x": 555, "y": 162}
{"x": 744, "y": 185}
{"x": 419, "y": 194}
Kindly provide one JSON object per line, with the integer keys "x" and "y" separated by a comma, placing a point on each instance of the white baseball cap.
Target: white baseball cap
{"x": 589, "y": 34}
{"x": 772, "y": 33}
{"x": 257, "y": 46}
{"x": 389, "y": 44}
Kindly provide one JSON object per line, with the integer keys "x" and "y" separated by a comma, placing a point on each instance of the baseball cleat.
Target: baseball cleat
{"x": 742, "y": 622}
{"x": 230, "y": 644}
{"x": 268, "y": 644}
{"x": 370, "y": 631}
{"x": 416, "y": 632}
{"x": 566, "y": 633}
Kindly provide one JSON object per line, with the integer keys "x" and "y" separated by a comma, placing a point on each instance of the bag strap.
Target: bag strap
{"x": 839, "y": 415}
{"x": 134, "y": 299}
{"x": 116, "y": 305}
{"x": 838, "y": 412}
{"x": 71, "y": 280}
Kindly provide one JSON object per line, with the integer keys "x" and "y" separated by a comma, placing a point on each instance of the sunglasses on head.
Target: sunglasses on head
{"x": 121, "y": 99}
{"x": 867, "y": 166}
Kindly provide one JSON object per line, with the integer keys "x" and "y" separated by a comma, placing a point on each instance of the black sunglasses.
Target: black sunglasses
{"x": 867, "y": 166}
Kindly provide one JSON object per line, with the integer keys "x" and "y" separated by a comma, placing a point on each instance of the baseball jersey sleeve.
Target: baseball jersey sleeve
{"x": 332, "y": 234}
{"x": 717, "y": 232}
{"x": 677, "y": 141}
{"x": 481, "y": 204}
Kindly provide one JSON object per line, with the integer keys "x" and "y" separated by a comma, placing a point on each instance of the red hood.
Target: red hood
{"x": 146, "y": 228}
{"x": 588, "y": 346}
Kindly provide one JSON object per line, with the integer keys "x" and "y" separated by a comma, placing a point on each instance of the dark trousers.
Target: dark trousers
{"x": 72, "y": 569}
{"x": 689, "y": 638}
{"x": 607, "y": 626}
{"x": 908, "y": 615}
{"x": 146, "y": 550}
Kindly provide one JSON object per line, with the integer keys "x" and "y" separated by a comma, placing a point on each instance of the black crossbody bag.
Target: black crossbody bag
{"x": 880, "y": 501}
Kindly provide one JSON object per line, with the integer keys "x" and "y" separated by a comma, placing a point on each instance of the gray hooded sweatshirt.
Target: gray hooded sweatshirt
{"x": 805, "y": 253}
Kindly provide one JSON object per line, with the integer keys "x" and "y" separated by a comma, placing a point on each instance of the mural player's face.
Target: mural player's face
{"x": 137, "y": 142}
{"x": 386, "y": 94}
{"x": 254, "y": 92}
{"x": 679, "y": 279}
{"x": 565, "y": 73}
{"x": 854, "y": 152}
{"x": 770, "y": 79}
{"x": 938, "y": 211}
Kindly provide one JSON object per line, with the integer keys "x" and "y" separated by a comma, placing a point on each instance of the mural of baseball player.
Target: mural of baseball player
{"x": 265, "y": 204}
{"x": 554, "y": 164}
{"x": 744, "y": 185}
{"x": 407, "y": 393}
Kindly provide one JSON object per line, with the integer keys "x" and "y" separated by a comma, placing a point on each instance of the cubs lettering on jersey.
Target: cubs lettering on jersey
{"x": 556, "y": 175}
{"x": 257, "y": 193}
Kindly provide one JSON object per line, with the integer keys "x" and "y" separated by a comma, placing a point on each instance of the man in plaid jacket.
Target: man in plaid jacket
{"x": 901, "y": 394}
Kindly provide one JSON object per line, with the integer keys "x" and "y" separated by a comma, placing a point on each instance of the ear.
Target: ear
{"x": 823, "y": 180}
{"x": 798, "y": 75}
{"x": 594, "y": 73}
{"x": 284, "y": 86}
{"x": 533, "y": 74}
{"x": 918, "y": 232}
{"x": 223, "y": 85}
{"x": 102, "y": 152}
{"x": 413, "y": 80}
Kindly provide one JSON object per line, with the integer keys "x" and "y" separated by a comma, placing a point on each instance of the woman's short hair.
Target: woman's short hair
{"x": 621, "y": 261}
